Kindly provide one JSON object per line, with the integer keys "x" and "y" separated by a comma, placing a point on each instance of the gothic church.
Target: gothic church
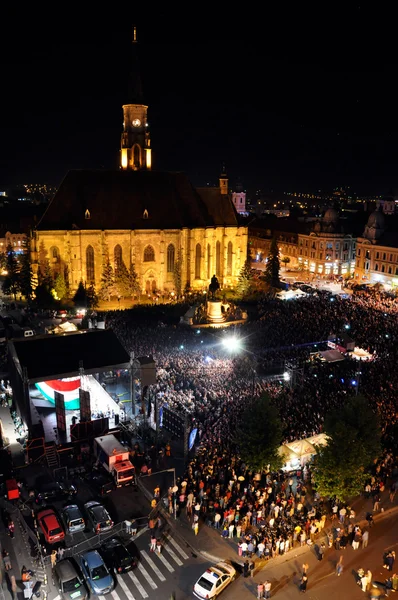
{"x": 140, "y": 216}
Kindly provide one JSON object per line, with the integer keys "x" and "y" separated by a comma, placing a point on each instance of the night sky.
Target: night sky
{"x": 284, "y": 108}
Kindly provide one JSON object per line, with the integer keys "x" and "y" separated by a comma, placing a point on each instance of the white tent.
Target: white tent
{"x": 318, "y": 440}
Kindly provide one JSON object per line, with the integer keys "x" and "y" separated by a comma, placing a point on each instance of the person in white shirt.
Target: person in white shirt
{"x": 267, "y": 589}
{"x": 260, "y": 549}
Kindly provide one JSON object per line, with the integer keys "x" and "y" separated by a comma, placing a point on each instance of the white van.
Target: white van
{"x": 28, "y": 333}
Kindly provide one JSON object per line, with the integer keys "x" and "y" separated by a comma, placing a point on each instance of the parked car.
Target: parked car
{"x": 96, "y": 573}
{"x": 98, "y": 516}
{"x": 72, "y": 519}
{"x": 50, "y": 525}
{"x": 48, "y": 491}
{"x": 69, "y": 581}
{"x": 117, "y": 556}
{"x": 214, "y": 580}
{"x": 101, "y": 483}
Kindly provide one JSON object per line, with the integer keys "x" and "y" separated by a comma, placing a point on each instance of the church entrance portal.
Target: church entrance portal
{"x": 150, "y": 286}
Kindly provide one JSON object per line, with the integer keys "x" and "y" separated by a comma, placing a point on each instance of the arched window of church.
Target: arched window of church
{"x": 198, "y": 258}
{"x": 149, "y": 254}
{"x": 118, "y": 256}
{"x": 208, "y": 261}
{"x": 229, "y": 259}
{"x": 90, "y": 264}
{"x": 54, "y": 254}
{"x": 218, "y": 259}
{"x": 170, "y": 258}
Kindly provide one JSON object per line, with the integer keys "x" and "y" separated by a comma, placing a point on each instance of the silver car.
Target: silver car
{"x": 72, "y": 519}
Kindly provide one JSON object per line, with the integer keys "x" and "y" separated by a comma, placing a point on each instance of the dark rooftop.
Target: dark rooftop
{"x": 102, "y": 199}
{"x": 49, "y": 357}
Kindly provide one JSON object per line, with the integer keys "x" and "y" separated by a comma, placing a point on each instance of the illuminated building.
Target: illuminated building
{"x": 377, "y": 251}
{"x": 156, "y": 221}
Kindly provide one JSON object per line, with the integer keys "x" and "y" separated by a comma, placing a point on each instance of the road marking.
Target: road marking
{"x": 115, "y": 595}
{"x": 147, "y": 576}
{"x": 138, "y": 584}
{"x": 152, "y": 564}
{"x": 57, "y": 597}
{"x": 166, "y": 563}
{"x": 177, "y": 547}
{"x": 125, "y": 588}
{"x": 173, "y": 555}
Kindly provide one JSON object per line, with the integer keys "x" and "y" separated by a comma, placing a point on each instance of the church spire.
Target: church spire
{"x": 224, "y": 181}
{"x": 136, "y": 153}
{"x": 135, "y": 93}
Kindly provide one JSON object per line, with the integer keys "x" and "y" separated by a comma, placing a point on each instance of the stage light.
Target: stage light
{"x": 286, "y": 376}
{"x": 231, "y": 343}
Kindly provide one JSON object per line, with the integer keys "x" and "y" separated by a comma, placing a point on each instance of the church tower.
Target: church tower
{"x": 135, "y": 152}
{"x": 224, "y": 182}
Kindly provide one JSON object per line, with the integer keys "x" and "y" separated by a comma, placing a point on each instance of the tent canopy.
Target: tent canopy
{"x": 332, "y": 355}
{"x": 301, "y": 447}
{"x": 318, "y": 440}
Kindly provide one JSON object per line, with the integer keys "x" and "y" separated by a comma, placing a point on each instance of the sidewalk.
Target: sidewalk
{"x": 209, "y": 543}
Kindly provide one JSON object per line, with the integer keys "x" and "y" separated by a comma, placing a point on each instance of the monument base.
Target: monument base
{"x": 214, "y": 312}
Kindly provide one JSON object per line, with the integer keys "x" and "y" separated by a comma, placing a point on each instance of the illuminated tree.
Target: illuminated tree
{"x": 177, "y": 275}
{"x": 60, "y": 286}
{"x": 108, "y": 288}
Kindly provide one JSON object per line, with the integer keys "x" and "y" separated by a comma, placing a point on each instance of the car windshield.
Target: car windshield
{"x": 98, "y": 572}
{"x": 76, "y": 522}
{"x": 55, "y": 531}
{"x": 72, "y": 584}
{"x": 205, "y": 584}
{"x": 222, "y": 569}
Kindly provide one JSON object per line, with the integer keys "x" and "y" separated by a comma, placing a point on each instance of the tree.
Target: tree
{"x": 11, "y": 281}
{"x": 80, "y": 297}
{"x": 272, "y": 267}
{"x": 353, "y": 444}
{"x": 60, "y": 286}
{"x": 108, "y": 288}
{"x": 122, "y": 280}
{"x": 134, "y": 284}
{"x": 259, "y": 435}
{"x": 26, "y": 276}
{"x": 286, "y": 261}
{"x": 177, "y": 275}
{"x": 245, "y": 279}
{"x": 3, "y": 261}
{"x": 92, "y": 297}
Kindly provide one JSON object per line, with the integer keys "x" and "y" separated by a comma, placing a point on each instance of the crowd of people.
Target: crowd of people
{"x": 197, "y": 374}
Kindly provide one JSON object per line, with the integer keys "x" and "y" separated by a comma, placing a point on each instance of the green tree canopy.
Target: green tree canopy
{"x": 108, "y": 287}
{"x": 26, "y": 276}
{"x": 177, "y": 274}
{"x": 245, "y": 279}
{"x": 272, "y": 267}
{"x": 60, "y": 286}
{"x": 259, "y": 435}
{"x": 11, "y": 280}
{"x": 353, "y": 444}
{"x": 122, "y": 281}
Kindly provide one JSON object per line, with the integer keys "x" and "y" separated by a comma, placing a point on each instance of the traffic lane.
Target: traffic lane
{"x": 181, "y": 581}
{"x": 323, "y": 584}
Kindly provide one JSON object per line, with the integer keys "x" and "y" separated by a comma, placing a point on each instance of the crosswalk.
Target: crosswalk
{"x": 152, "y": 570}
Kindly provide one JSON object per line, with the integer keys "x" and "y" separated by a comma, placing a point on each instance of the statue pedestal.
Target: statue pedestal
{"x": 214, "y": 314}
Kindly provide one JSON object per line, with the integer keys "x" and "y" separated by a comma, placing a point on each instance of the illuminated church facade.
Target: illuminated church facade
{"x": 157, "y": 221}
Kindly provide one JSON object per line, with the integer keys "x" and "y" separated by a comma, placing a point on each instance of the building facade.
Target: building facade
{"x": 377, "y": 251}
{"x": 323, "y": 247}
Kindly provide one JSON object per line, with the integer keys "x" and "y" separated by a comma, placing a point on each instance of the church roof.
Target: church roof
{"x": 134, "y": 200}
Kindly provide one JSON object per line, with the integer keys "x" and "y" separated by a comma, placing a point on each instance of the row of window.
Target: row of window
{"x": 328, "y": 245}
{"x": 382, "y": 268}
{"x": 149, "y": 256}
{"x": 379, "y": 255}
